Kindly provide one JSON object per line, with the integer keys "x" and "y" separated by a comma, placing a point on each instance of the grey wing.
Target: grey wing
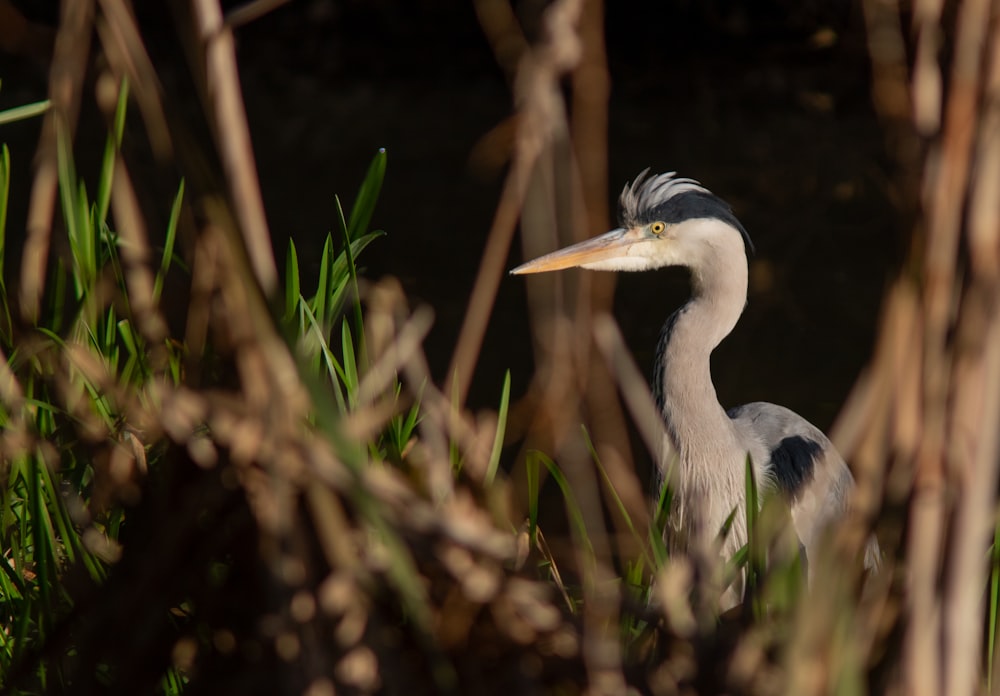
{"x": 801, "y": 462}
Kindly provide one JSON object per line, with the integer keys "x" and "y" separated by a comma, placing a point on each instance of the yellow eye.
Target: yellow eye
{"x": 657, "y": 228}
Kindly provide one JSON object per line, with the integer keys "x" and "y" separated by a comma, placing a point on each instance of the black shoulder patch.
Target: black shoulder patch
{"x": 793, "y": 463}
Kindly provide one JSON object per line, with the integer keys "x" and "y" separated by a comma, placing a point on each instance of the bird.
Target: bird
{"x": 667, "y": 220}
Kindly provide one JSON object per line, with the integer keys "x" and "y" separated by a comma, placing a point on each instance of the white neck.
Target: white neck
{"x": 702, "y": 435}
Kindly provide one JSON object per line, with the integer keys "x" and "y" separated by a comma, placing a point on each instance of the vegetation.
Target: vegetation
{"x": 278, "y": 498}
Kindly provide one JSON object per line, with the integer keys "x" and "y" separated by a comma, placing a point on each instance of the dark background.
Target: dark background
{"x": 766, "y": 102}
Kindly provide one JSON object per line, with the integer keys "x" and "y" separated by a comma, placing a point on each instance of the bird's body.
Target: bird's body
{"x": 670, "y": 221}
{"x": 709, "y": 446}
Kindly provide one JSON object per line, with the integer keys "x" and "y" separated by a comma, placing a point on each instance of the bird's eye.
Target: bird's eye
{"x": 657, "y": 228}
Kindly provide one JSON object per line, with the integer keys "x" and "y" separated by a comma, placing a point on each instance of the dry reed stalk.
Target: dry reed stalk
{"x": 122, "y": 44}
{"x": 974, "y": 430}
{"x": 136, "y": 259}
{"x": 589, "y": 131}
{"x": 938, "y": 440}
{"x": 331, "y": 533}
{"x": 223, "y": 99}
{"x": 634, "y": 387}
{"x": 540, "y": 115}
{"x": 16, "y": 437}
{"x": 544, "y": 178}
{"x": 69, "y": 63}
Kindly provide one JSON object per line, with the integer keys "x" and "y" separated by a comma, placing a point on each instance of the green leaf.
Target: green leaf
{"x": 364, "y": 204}
{"x": 43, "y": 536}
{"x": 4, "y": 197}
{"x": 412, "y": 418}
{"x": 577, "y": 522}
{"x": 5, "y": 319}
{"x": 334, "y": 371}
{"x": 86, "y": 247}
{"x": 350, "y": 365}
{"x": 292, "y": 289}
{"x": 169, "y": 242}
{"x": 400, "y": 429}
{"x": 26, "y": 111}
{"x": 134, "y": 368}
{"x": 111, "y": 148}
{"x": 494, "y": 461}
{"x": 657, "y": 531}
{"x": 67, "y": 197}
{"x": 994, "y": 603}
{"x": 339, "y": 269}
{"x": 352, "y": 273}
{"x": 619, "y": 504}
{"x": 323, "y": 289}
{"x": 755, "y": 564}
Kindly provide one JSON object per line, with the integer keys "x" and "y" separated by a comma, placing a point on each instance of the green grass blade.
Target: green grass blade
{"x": 334, "y": 370}
{"x": 323, "y": 289}
{"x": 169, "y": 242}
{"x": 993, "y": 607}
{"x": 26, "y": 111}
{"x": 4, "y": 198}
{"x": 350, "y": 365}
{"x": 67, "y": 190}
{"x": 86, "y": 245}
{"x": 738, "y": 561}
{"x": 111, "y": 148}
{"x": 134, "y": 371}
{"x": 577, "y": 522}
{"x": 57, "y": 308}
{"x": 43, "y": 538}
{"x": 61, "y": 528}
{"x": 292, "y": 287}
{"x": 358, "y": 244}
{"x": 5, "y": 319}
{"x": 657, "y": 533}
{"x": 494, "y": 461}
{"x": 352, "y": 274}
{"x": 339, "y": 297}
{"x": 754, "y": 568}
{"x": 353, "y": 229}
{"x": 364, "y": 203}
{"x": 11, "y": 584}
{"x": 622, "y": 510}
{"x": 412, "y": 418}
{"x": 400, "y": 429}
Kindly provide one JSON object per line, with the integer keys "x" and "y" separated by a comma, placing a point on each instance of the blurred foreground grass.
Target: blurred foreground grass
{"x": 277, "y": 498}
{"x": 97, "y": 412}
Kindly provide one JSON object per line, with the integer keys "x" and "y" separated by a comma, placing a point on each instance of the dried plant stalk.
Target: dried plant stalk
{"x": 939, "y": 438}
{"x": 69, "y": 62}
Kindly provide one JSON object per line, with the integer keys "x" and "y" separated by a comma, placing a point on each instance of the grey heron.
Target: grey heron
{"x": 667, "y": 220}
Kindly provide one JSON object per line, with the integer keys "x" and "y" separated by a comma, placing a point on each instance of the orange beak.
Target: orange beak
{"x": 613, "y": 244}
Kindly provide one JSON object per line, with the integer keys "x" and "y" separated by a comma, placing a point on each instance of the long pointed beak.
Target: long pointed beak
{"x": 607, "y": 246}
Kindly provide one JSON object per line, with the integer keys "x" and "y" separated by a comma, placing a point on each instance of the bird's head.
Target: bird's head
{"x": 664, "y": 221}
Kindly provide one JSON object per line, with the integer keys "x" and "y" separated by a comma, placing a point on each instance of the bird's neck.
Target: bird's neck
{"x": 697, "y": 425}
